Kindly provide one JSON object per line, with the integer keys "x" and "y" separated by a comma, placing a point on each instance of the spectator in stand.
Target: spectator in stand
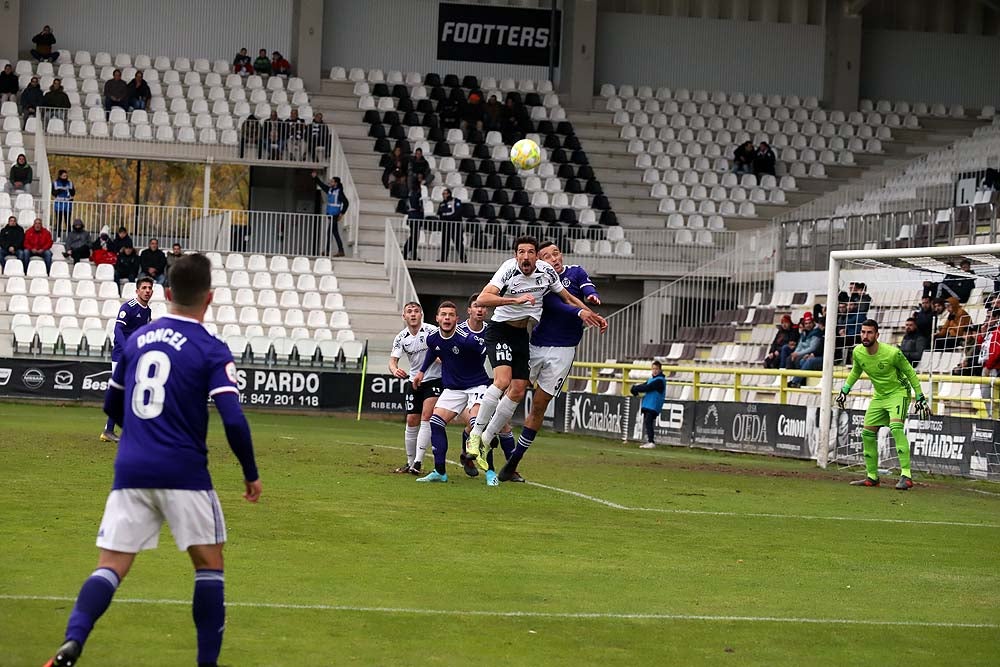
{"x": 115, "y": 92}
{"x": 9, "y": 84}
{"x": 102, "y": 252}
{"x": 924, "y": 317}
{"x": 78, "y": 242}
{"x": 811, "y": 360}
{"x": 859, "y": 292}
{"x": 989, "y": 353}
{"x": 242, "y": 64}
{"x": 939, "y": 308}
{"x": 396, "y": 171}
{"x": 31, "y": 98}
{"x": 764, "y": 161}
{"x": 38, "y": 243}
{"x": 250, "y": 136}
{"x": 420, "y": 169}
{"x": 448, "y": 111}
{"x": 44, "y": 41}
{"x": 655, "y": 389}
{"x": 20, "y": 175}
{"x": 273, "y": 136}
{"x": 139, "y": 93}
{"x": 63, "y": 193}
{"x": 849, "y": 335}
{"x": 57, "y": 100}
{"x": 121, "y": 240}
{"x": 336, "y": 206}
{"x": 280, "y": 66}
{"x": 472, "y": 113}
{"x": 262, "y": 65}
{"x": 951, "y": 334}
{"x": 913, "y": 343}
{"x": 153, "y": 263}
{"x": 954, "y": 284}
{"x": 11, "y": 240}
{"x": 786, "y": 334}
{"x": 743, "y": 158}
{"x": 807, "y": 343}
{"x": 295, "y": 137}
{"x": 493, "y": 114}
{"x": 319, "y": 138}
{"x": 450, "y": 213}
{"x": 414, "y": 214}
{"x": 175, "y": 254}
{"x": 127, "y": 267}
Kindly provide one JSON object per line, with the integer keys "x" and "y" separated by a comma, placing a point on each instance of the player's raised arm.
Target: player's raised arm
{"x": 589, "y": 317}
{"x": 490, "y": 298}
{"x": 588, "y": 288}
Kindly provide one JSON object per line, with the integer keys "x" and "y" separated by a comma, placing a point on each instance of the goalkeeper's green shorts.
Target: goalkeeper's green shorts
{"x": 885, "y": 409}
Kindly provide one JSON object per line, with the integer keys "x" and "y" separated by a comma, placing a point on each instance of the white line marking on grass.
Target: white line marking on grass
{"x": 985, "y": 493}
{"x": 531, "y": 614}
{"x": 756, "y": 515}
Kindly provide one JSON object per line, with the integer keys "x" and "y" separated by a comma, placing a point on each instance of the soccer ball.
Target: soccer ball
{"x": 525, "y": 155}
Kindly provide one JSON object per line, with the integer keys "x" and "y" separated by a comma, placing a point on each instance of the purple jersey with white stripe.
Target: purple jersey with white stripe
{"x": 462, "y": 355}
{"x": 561, "y": 325}
{"x": 168, "y": 371}
{"x": 132, "y": 315}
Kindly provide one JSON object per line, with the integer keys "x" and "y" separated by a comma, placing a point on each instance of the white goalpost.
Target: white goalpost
{"x": 881, "y": 270}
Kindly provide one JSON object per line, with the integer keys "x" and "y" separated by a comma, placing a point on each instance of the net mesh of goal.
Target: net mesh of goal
{"x": 939, "y": 307}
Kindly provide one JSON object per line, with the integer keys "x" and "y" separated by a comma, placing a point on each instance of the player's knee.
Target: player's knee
{"x": 412, "y": 420}
{"x": 896, "y": 428}
{"x": 516, "y": 391}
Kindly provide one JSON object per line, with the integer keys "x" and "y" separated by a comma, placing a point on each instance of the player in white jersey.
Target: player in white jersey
{"x": 420, "y": 402}
{"x": 515, "y": 293}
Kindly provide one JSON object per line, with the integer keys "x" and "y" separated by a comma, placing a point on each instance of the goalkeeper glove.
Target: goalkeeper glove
{"x": 842, "y": 400}
{"x": 921, "y": 408}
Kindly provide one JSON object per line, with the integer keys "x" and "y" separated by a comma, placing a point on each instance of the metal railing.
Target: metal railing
{"x": 616, "y": 378}
{"x": 186, "y": 137}
{"x": 482, "y": 246}
{"x": 806, "y": 244}
{"x": 400, "y": 283}
{"x": 220, "y": 230}
{"x": 722, "y": 282}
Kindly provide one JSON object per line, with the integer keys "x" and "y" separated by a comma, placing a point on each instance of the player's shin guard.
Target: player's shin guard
{"x": 92, "y": 601}
{"x": 208, "y": 607}
{"x": 487, "y": 407}
{"x": 423, "y": 441}
{"x": 410, "y": 439}
{"x": 869, "y": 442}
{"x": 507, "y": 444}
{"x": 505, "y": 410}
{"x": 902, "y": 447}
{"x": 439, "y": 442}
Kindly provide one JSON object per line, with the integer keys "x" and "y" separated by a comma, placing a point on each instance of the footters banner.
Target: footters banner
{"x": 496, "y": 34}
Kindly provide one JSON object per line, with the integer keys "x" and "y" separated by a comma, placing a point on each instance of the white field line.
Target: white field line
{"x": 409, "y": 611}
{"x": 754, "y": 515}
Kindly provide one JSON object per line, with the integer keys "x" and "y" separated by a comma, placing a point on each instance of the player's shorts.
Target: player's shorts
{"x": 883, "y": 410}
{"x": 550, "y": 366}
{"x": 415, "y": 397}
{"x": 457, "y": 400}
{"x": 133, "y": 518}
{"x": 508, "y": 346}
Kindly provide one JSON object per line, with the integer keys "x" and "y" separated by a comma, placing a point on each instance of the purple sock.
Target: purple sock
{"x": 527, "y": 437}
{"x": 110, "y": 426}
{"x": 439, "y": 443}
{"x": 507, "y": 444}
{"x": 93, "y": 600}
{"x": 209, "y": 611}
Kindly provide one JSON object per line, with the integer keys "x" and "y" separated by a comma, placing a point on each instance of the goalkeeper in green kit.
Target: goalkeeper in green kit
{"x": 892, "y": 376}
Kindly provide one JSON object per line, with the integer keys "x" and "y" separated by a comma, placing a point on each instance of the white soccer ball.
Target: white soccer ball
{"x": 525, "y": 155}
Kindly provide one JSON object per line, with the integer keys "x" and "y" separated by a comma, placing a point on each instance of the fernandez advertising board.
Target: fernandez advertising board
{"x": 493, "y": 34}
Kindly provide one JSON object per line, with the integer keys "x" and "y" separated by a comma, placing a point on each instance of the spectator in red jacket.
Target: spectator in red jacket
{"x": 37, "y": 243}
{"x": 280, "y": 66}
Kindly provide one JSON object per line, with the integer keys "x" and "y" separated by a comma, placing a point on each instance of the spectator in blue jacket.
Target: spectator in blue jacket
{"x": 655, "y": 388}
{"x": 808, "y": 335}
{"x": 809, "y": 355}
{"x": 335, "y": 207}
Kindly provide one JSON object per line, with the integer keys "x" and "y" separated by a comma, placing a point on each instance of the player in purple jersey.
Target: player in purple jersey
{"x": 552, "y": 350}
{"x": 158, "y": 394}
{"x": 132, "y": 314}
{"x": 463, "y": 377}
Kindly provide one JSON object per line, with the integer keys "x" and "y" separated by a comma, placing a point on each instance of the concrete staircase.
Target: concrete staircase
{"x": 615, "y": 167}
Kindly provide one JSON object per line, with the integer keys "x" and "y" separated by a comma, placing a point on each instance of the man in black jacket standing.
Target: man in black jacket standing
{"x": 450, "y": 213}
{"x": 414, "y": 214}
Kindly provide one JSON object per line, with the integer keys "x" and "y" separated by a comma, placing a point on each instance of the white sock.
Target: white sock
{"x": 423, "y": 441}
{"x": 411, "y": 443}
{"x": 487, "y": 407}
{"x": 505, "y": 410}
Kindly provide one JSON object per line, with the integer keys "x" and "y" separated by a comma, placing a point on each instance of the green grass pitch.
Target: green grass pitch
{"x": 623, "y": 557}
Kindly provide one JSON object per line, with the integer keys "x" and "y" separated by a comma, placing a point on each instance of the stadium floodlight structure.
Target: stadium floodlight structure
{"x": 923, "y": 263}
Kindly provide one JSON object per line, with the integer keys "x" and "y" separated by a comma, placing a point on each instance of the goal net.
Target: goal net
{"x": 940, "y": 305}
